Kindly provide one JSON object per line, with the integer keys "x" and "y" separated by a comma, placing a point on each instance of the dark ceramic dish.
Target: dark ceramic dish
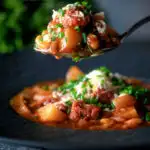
{"x": 26, "y": 68}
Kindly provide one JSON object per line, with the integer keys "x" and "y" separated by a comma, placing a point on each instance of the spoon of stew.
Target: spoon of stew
{"x": 123, "y": 36}
{"x": 76, "y": 32}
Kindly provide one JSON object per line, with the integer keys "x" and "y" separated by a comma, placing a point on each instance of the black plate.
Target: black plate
{"x": 27, "y": 67}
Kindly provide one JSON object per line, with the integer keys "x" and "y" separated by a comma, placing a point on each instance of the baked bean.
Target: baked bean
{"x": 124, "y": 101}
{"x": 132, "y": 123}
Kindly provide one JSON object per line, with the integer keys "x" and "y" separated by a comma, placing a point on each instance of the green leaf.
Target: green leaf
{"x": 77, "y": 28}
{"x": 61, "y": 35}
{"x": 53, "y": 38}
{"x": 84, "y": 37}
{"x": 105, "y": 70}
{"x": 76, "y": 59}
{"x": 68, "y": 103}
{"x": 117, "y": 82}
{"x": 84, "y": 3}
{"x": 59, "y": 25}
{"x": 147, "y": 116}
{"x": 61, "y": 11}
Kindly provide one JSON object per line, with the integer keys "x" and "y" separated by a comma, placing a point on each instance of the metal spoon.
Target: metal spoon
{"x": 123, "y": 36}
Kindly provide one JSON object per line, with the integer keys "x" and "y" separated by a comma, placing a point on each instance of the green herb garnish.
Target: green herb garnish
{"x": 53, "y": 38}
{"x": 105, "y": 70}
{"x": 82, "y": 95}
{"x": 77, "y": 28}
{"x": 59, "y": 25}
{"x": 68, "y": 103}
{"x": 61, "y": 35}
{"x": 112, "y": 106}
{"x": 84, "y": 3}
{"x": 54, "y": 35}
{"x": 76, "y": 59}
{"x": 118, "y": 82}
{"x": 102, "y": 82}
{"x": 74, "y": 93}
{"x": 61, "y": 11}
{"x": 84, "y": 37}
{"x": 137, "y": 91}
{"x": 92, "y": 100}
{"x": 147, "y": 116}
{"x": 146, "y": 101}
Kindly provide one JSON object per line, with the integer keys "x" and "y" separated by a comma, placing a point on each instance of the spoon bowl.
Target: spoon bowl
{"x": 123, "y": 36}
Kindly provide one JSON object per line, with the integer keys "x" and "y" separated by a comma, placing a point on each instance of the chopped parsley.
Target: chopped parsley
{"x": 76, "y": 59}
{"x": 82, "y": 95}
{"x": 102, "y": 82}
{"x": 84, "y": 3}
{"x": 105, "y": 70}
{"x": 137, "y": 91}
{"x": 53, "y": 38}
{"x": 61, "y": 11}
{"x": 68, "y": 103}
{"x": 117, "y": 82}
{"x": 74, "y": 93}
{"x": 89, "y": 84}
{"x": 84, "y": 37}
{"x": 77, "y": 28}
{"x": 61, "y": 35}
{"x": 92, "y": 100}
{"x": 147, "y": 116}
{"x": 146, "y": 101}
{"x": 104, "y": 106}
{"x": 59, "y": 25}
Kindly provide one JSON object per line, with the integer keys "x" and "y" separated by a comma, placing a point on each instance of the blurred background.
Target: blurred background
{"x": 22, "y": 20}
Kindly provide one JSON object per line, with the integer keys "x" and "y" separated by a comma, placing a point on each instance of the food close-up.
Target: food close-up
{"x": 97, "y": 100}
{"x": 74, "y": 74}
{"x": 76, "y": 32}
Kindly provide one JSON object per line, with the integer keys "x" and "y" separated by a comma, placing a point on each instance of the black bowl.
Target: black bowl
{"x": 28, "y": 67}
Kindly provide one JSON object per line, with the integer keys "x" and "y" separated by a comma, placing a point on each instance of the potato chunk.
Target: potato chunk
{"x": 50, "y": 113}
{"x": 126, "y": 113}
{"x": 124, "y": 101}
{"x": 71, "y": 40}
{"x": 73, "y": 73}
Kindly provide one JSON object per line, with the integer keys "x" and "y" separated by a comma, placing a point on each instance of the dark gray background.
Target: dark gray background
{"x": 123, "y": 13}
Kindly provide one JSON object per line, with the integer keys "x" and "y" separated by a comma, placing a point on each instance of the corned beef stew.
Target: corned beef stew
{"x": 95, "y": 101}
{"x": 77, "y": 32}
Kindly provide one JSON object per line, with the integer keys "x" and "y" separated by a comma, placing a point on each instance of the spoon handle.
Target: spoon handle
{"x": 135, "y": 27}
